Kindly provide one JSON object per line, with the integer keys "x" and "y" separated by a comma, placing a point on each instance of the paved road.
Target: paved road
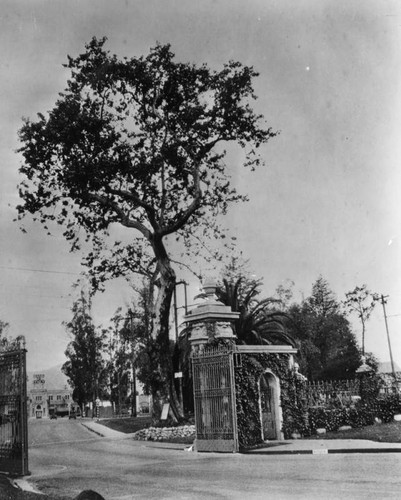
{"x": 67, "y": 458}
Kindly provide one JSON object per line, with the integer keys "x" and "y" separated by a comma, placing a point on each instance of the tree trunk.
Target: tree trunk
{"x": 161, "y": 329}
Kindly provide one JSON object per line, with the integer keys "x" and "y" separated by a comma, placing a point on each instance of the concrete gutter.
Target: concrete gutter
{"x": 324, "y": 447}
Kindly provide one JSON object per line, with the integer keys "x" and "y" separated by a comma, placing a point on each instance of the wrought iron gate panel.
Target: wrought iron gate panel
{"x": 13, "y": 413}
{"x": 214, "y": 400}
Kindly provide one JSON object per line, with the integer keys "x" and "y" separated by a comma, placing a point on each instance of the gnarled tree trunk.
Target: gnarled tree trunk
{"x": 161, "y": 330}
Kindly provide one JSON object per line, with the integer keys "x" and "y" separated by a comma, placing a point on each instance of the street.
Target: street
{"x": 66, "y": 458}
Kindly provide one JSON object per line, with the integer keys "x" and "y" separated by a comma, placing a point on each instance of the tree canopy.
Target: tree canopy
{"x": 135, "y": 142}
{"x": 139, "y": 143}
{"x": 327, "y": 345}
{"x": 260, "y": 321}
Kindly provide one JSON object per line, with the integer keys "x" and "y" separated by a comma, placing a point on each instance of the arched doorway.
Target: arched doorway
{"x": 39, "y": 411}
{"x": 269, "y": 398}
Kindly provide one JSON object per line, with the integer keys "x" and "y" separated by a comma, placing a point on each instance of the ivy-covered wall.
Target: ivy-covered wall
{"x": 247, "y": 374}
{"x": 297, "y": 414}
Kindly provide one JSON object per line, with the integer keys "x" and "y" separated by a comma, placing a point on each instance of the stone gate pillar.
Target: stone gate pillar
{"x": 213, "y": 373}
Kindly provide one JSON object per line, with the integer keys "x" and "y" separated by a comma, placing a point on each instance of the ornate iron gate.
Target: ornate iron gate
{"x": 13, "y": 412}
{"x": 214, "y": 400}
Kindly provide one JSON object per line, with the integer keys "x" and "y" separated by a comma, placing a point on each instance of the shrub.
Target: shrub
{"x": 333, "y": 419}
{"x": 386, "y": 407}
{"x": 361, "y": 416}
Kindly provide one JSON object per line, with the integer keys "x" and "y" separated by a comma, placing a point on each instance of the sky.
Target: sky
{"x": 328, "y": 201}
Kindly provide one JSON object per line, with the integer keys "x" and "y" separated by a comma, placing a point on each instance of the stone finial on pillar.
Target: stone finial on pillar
{"x": 364, "y": 368}
{"x": 210, "y": 320}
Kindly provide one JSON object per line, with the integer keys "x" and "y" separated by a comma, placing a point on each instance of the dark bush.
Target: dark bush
{"x": 386, "y": 407}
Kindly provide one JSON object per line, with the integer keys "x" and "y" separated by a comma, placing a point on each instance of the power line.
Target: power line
{"x": 38, "y": 270}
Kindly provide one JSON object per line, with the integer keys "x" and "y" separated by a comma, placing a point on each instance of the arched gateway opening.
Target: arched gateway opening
{"x": 269, "y": 398}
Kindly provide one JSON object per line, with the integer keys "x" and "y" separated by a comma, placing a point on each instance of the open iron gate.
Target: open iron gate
{"x": 13, "y": 413}
{"x": 214, "y": 400}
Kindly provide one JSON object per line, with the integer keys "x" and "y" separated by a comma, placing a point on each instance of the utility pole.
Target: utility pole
{"x": 176, "y": 307}
{"x": 132, "y": 374}
{"x": 179, "y": 374}
{"x": 383, "y": 301}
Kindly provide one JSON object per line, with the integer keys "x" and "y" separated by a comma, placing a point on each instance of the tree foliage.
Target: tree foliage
{"x": 361, "y": 301}
{"x": 8, "y": 343}
{"x": 134, "y": 142}
{"x": 285, "y": 294}
{"x": 4, "y": 341}
{"x": 120, "y": 358}
{"x": 139, "y": 143}
{"x": 85, "y": 365}
{"x": 260, "y": 321}
{"x": 326, "y": 343}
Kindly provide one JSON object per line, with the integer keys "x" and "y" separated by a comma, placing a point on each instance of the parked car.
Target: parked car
{"x": 72, "y": 415}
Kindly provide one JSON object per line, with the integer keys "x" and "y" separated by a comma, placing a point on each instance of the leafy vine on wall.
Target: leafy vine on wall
{"x": 247, "y": 375}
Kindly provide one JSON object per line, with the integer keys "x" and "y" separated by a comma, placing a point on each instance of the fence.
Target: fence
{"x": 13, "y": 413}
{"x": 339, "y": 393}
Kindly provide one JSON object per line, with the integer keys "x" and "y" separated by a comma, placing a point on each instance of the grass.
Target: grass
{"x": 127, "y": 425}
{"x": 382, "y": 433}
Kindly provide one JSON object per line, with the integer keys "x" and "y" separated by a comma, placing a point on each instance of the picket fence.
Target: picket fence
{"x": 331, "y": 392}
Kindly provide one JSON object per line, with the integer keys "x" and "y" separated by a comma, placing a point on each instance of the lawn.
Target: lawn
{"x": 383, "y": 433}
{"x": 127, "y": 424}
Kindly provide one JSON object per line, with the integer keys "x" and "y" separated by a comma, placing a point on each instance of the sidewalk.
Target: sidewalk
{"x": 319, "y": 446}
{"x": 103, "y": 431}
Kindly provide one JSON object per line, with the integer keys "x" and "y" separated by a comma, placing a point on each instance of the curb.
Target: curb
{"x": 92, "y": 430}
{"x": 323, "y": 451}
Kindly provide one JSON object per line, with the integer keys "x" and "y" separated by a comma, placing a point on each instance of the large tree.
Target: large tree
{"x": 139, "y": 143}
{"x": 326, "y": 343}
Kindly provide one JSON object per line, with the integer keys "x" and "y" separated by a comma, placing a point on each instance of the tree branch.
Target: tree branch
{"x": 124, "y": 219}
{"x": 128, "y": 195}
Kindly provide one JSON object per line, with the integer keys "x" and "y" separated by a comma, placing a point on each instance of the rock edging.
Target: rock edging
{"x": 165, "y": 433}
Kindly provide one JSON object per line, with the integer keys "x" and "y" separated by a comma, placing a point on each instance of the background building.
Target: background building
{"x": 48, "y": 393}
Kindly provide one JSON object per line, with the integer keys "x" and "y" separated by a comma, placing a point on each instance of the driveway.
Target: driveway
{"x": 66, "y": 458}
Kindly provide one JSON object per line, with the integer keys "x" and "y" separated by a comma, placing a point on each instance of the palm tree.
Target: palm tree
{"x": 259, "y": 322}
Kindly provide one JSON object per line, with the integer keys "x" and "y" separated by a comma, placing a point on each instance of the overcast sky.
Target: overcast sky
{"x": 328, "y": 201}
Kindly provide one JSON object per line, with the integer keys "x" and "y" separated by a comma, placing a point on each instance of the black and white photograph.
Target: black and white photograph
{"x": 200, "y": 249}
